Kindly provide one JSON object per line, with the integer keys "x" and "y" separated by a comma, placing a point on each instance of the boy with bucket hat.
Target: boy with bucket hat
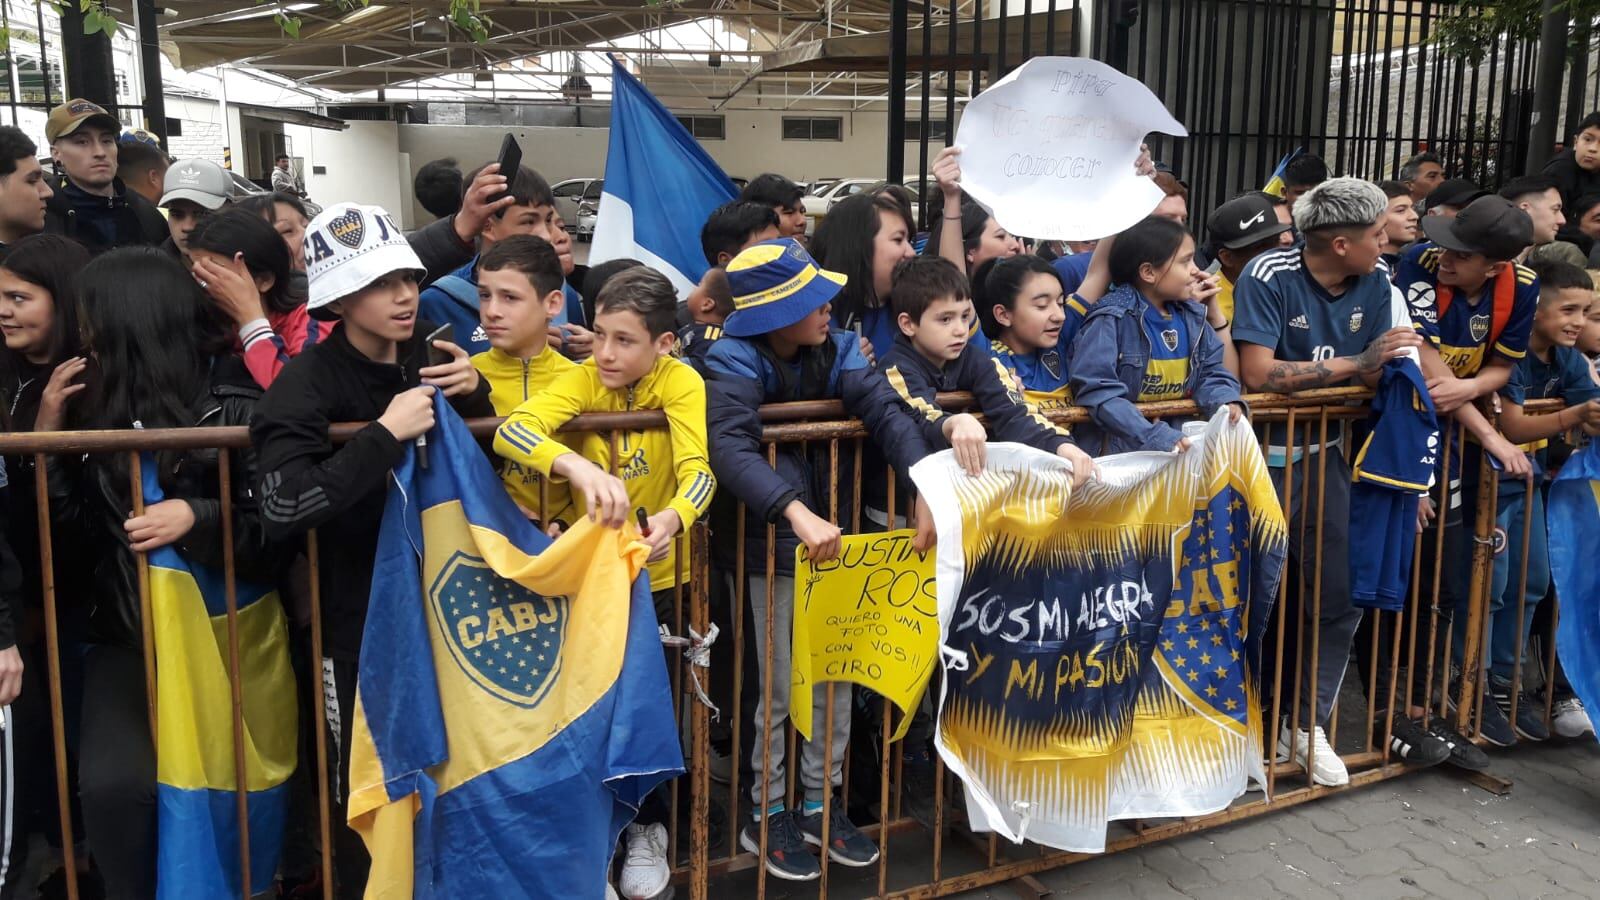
{"x": 778, "y": 345}
{"x": 373, "y": 367}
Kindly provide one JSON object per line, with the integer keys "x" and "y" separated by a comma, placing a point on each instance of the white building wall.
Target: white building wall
{"x": 362, "y": 164}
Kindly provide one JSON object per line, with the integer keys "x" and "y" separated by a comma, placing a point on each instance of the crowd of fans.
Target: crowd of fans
{"x": 138, "y": 292}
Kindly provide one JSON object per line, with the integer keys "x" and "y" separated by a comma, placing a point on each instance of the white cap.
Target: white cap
{"x": 349, "y": 246}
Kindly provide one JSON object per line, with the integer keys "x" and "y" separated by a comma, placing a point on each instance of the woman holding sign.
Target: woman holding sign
{"x": 1147, "y": 341}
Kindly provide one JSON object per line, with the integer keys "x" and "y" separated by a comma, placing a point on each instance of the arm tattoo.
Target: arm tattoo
{"x": 1370, "y": 359}
{"x": 1285, "y": 377}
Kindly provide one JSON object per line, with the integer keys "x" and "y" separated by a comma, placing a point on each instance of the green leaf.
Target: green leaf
{"x": 91, "y": 22}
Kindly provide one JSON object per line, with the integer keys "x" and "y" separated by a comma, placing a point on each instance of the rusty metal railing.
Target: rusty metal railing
{"x": 957, "y": 860}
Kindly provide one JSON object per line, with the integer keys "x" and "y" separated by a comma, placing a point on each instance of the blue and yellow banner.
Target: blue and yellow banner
{"x": 1102, "y": 648}
{"x": 512, "y": 705}
{"x": 197, "y": 813}
{"x": 1573, "y": 517}
{"x": 1275, "y": 185}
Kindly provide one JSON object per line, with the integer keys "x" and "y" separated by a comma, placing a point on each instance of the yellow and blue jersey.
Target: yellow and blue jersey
{"x": 1464, "y": 333}
{"x": 1043, "y": 374}
{"x": 513, "y": 382}
{"x": 1166, "y": 371}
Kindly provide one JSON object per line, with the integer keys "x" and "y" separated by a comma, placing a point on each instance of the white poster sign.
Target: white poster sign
{"x": 1050, "y": 149}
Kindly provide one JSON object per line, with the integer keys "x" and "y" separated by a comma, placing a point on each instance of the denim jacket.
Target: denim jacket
{"x": 1108, "y": 361}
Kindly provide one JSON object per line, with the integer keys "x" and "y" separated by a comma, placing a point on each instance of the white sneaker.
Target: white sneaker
{"x": 720, "y": 766}
{"x": 1570, "y": 719}
{"x": 1328, "y": 770}
{"x": 645, "y": 873}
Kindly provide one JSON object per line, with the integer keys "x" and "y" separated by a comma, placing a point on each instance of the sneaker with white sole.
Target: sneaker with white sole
{"x": 1463, "y": 752}
{"x": 645, "y": 873}
{"x": 1413, "y": 743}
{"x": 1570, "y": 718}
{"x": 1326, "y": 767}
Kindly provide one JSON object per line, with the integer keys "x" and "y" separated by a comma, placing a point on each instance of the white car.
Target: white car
{"x": 589, "y": 209}
{"x": 569, "y": 194}
{"x": 818, "y": 203}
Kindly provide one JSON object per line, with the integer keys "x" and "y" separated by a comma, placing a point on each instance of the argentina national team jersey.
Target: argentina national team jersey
{"x": 1278, "y": 304}
{"x": 1167, "y": 371}
{"x": 1463, "y": 334}
{"x": 1043, "y": 374}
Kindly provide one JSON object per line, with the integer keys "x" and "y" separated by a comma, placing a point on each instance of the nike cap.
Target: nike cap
{"x": 1491, "y": 225}
{"x": 1243, "y": 221}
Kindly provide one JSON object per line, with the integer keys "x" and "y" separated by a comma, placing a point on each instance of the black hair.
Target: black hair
{"x": 280, "y": 156}
{"x": 715, "y": 283}
{"x": 845, "y": 242}
{"x": 1393, "y": 189}
{"x": 921, "y": 280}
{"x": 731, "y": 225}
{"x": 53, "y": 262}
{"x": 438, "y": 187}
{"x": 1592, "y": 120}
{"x": 645, "y": 292}
{"x": 1523, "y": 185}
{"x": 1304, "y": 170}
{"x": 533, "y": 256}
{"x": 973, "y": 220}
{"x": 14, "y": 145}
{"x": 1582, "y": 206}
{"x": 292, "y": 202}
{"x": 998, "y": 282}
{"x": 1561, "y": 276}
{"x": 265, "y": 205}
{"x": 596, "y": 278}
{"x": 527, "y": 186}
{"x": 771, "y": 189}
{"x": 234, "y": 230}
{"x": 136, "y": 156}
{"x": 1151, "y": 240}
{"x": 154, "y": 335}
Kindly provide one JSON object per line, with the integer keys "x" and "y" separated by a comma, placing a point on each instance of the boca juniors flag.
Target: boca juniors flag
{"x": 512, "y": 704}
{"x": 196, "y": 811}
{"x": 1573, "y": 518}
{"x": 1103, "y": 648}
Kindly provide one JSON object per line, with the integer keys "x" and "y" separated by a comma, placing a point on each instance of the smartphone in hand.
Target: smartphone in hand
{"x": 510, "y": 161}
{"x": 437, "y": 357}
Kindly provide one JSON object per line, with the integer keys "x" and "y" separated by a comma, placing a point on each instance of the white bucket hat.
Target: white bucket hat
{"x": 349, "y": 246}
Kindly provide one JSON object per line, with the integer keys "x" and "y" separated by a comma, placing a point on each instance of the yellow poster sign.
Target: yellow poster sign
{"x": 869, "y": 616}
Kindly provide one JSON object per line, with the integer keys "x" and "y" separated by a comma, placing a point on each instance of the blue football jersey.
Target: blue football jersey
{"x": 1462, "y": 335}
{"x": 1043, "y": 374}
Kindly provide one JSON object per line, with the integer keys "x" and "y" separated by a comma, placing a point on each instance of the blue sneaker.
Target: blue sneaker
{"x": 788, "y": 855}
{"x": 846, "y": 844}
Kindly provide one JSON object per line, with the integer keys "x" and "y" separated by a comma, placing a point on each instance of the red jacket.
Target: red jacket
{"x": 267, "y": 347}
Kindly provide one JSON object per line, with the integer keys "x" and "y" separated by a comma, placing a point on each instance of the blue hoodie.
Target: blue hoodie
{"x": 453, "y": 300}
{"x": 1108, "y": 362}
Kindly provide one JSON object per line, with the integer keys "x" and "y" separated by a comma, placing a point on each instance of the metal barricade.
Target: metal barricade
{"x": 943, "y": 856}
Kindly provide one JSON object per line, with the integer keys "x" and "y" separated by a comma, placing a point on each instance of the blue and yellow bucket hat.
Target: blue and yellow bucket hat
{"x": 776, "y": 284}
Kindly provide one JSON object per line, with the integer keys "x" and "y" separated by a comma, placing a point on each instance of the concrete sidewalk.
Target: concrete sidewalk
{"x": 1429, "y": 834}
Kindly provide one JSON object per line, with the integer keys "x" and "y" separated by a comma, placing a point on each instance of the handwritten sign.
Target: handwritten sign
{"x": 1050, "y": 149}
{"x": 869, "y": 616}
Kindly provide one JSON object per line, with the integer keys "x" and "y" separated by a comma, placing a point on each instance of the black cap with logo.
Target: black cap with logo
{"x": 1457, "y": 192}
{"x": 1243, "y": 221}
{"x": 1491, "y": 225}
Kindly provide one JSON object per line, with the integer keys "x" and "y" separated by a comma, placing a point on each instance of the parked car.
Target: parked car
{"x": 817, "y": 205}
{"x": 568, "y": 195}
{"x": 588, "y": 209}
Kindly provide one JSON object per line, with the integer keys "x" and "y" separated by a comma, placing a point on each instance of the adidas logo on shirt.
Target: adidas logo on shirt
{"x": 479, "y": 335}
{"x": 1300, "y": 322}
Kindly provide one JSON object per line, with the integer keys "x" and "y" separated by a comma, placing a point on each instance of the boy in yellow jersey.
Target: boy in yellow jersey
{"x": 519, "y": 295}
{"x": 664, "y": 472}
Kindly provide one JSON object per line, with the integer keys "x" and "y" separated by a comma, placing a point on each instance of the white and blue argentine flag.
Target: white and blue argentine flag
{"x": 660, "y": 187}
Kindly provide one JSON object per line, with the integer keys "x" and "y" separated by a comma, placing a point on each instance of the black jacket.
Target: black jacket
{"x": 89, "y": 504}
{"x": 440, "y": 249}
{"x": 743, "y": 376}
{"x": 307, "y": 482}
{"x": 131, "y": 218}
{"x": 1574, "y": 182}
{"x": 918, "y": 381}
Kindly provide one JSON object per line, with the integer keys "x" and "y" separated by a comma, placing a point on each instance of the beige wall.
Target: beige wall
{"x": 754, "y": 145}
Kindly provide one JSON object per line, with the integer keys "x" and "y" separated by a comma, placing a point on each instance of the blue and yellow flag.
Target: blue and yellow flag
{"x": 197, "y": 818}
{"x": 1275, "y": 185}
{"x": 512, "y": 706}
{"x": 1103, "y": 647}
{"x": 1573, "y": 517}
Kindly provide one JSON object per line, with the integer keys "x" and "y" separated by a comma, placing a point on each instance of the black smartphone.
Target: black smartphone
{"x": 510, "y": 160}
{"x": 437, "y": 357}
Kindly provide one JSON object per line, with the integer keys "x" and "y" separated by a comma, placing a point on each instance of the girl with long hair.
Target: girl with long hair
{"x": 863, "y": 238}
{"x": 244, "y": 267}
{"x": 162, "y": 358}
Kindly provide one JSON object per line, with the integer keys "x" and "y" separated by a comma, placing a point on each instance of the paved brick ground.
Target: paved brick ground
{"x": 1429, "y": 834}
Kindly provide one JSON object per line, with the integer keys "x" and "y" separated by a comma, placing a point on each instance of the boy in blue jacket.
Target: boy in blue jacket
{"x": 933, "y": 353}
{"x": 777, "y": 346}
{"x": 1147, "y": 341}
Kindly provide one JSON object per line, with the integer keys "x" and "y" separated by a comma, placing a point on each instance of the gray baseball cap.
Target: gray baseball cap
{"x": 199, "y": 181}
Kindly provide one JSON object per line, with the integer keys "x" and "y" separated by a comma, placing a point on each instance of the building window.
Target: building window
{"x": 705, "y": 128}
{"x": 936, "y": 130}
{"x": 821, "y": 128}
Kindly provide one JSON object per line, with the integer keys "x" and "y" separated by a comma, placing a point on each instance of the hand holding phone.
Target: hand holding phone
{"x": 510, "y": 161}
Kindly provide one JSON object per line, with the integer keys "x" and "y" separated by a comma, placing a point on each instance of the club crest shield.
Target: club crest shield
{"x": 1479, "y": 327}
{"x": 348, "y": 229}
{"x": 1356, "y": 318}
{"x": 1052, "y": 362}
{"x": 507, "y": 638}
{"x": 1169, "y": 339}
